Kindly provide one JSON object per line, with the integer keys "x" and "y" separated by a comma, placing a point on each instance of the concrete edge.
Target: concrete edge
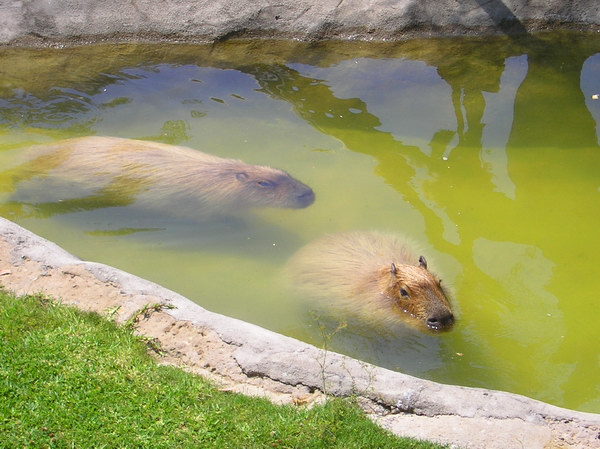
{"x": 257, "y": 353}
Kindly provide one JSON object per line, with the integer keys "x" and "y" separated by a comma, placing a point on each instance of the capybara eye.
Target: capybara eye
{"x": 264, "y": 183}
{"x": 404, "y": 293}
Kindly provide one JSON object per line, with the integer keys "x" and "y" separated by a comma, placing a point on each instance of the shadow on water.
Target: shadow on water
{"x": 112, "y": 212}
{"x": 398, "y": 347}
{"x": 487, "y": 188}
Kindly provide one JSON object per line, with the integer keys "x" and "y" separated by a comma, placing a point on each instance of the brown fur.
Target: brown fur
{"x": 364, "y": 273}
{"x": 154, "y": 173}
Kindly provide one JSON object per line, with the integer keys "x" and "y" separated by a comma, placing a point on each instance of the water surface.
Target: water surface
{"x": 484, "y": 151}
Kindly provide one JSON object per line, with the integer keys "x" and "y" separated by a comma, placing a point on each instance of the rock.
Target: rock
{"x": 37, "y": 21}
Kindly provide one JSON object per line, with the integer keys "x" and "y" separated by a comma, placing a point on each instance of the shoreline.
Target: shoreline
{"x": 248, "y": 359}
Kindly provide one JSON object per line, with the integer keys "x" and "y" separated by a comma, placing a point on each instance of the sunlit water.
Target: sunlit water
{"x": 485, "y": 152}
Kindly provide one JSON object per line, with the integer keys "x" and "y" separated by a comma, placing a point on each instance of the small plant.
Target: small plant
{"x": 44, "y": 299}
{"x": 111, "y": 313}
{"x": 153, "y": 344}
{"x": 145, "y": 313}
{"x": 326, "y": 337}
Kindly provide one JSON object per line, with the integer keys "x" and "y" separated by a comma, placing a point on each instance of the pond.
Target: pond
{"x": 483, "y": 151}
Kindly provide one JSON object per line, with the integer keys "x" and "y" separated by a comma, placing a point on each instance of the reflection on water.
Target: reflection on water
{"x": 484, "y": 151}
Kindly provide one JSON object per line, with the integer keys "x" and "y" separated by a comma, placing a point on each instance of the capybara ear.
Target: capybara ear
{"x": 394, "y": 269}
{"x": 241, "y": 176}
{"x": 422, "y": 262}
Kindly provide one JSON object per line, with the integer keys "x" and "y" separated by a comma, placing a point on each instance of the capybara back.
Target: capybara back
{"x": 155, "y": 174}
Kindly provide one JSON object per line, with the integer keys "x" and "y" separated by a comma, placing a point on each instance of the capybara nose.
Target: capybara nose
{"x": 306, "y": 198}
{"x": 440, "y": 322}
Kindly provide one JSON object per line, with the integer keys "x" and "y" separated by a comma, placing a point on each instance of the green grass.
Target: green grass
{"x": 70, "y": 379}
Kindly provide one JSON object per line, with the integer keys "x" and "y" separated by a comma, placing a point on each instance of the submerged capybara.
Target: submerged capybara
{"x": 373, "y": 276}
{"x": 128, "y": 171}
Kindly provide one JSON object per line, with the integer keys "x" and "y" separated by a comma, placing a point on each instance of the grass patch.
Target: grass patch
{"x": 70, "y": 379}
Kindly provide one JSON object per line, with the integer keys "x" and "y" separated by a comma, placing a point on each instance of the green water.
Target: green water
{"x": 485, "y": 152}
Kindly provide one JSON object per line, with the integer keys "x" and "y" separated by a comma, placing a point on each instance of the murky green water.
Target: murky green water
{"x": 485, "y": 152}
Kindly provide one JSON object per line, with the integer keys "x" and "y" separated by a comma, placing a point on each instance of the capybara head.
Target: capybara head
{"x": 419, "y": 293}
{"x": 265, "y": 186}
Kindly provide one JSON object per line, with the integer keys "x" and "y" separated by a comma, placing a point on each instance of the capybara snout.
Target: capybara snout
{"x": 305, "y": 198}
{"x": 275, "y": 189}
{"x": 440, "y": 320}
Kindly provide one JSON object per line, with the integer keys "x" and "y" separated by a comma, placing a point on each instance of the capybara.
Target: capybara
{"x": 373, "y": 276}
{"x": 117, "y": 171}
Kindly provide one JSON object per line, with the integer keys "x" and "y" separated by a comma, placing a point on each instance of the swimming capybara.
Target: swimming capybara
{"x": 126, "y": 171}
{"x": 373, "y": 276}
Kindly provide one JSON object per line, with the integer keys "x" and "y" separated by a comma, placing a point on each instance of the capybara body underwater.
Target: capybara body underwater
{"x": 374, "y": 276}
{"x": 127, "y": 171}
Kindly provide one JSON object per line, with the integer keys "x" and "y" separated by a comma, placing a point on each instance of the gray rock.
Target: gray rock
{"x": 37, "y": 21}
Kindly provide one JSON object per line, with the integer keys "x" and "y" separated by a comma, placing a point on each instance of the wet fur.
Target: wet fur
{"x": 150, "y": 173}
{"x": 351, "y": 273}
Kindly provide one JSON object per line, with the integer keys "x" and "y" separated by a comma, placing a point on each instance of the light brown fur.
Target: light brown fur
{"x": 149, "y": 173}
{"x": 353, "y": 272}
